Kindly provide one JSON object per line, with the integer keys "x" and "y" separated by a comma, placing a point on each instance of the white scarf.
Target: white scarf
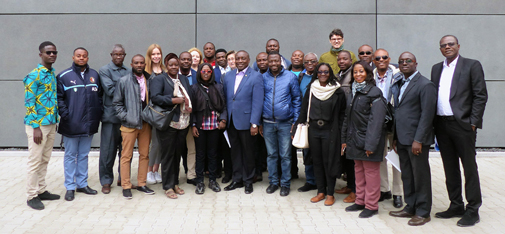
{"x": 323, "y": 92}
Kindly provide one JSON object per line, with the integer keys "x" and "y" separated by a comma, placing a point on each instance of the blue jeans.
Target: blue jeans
{"x": 309, "y": 170}
{"x": 75, "y": 161}
{"x": 278, "y": 141}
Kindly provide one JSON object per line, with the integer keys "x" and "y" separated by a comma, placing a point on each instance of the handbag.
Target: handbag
{"x": 301, "y": 137}
{"x": 157, "y": 116}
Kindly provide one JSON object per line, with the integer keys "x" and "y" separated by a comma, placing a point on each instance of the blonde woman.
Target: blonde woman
{"x": 154, "y": 66}
{"x": 196, "y": 56}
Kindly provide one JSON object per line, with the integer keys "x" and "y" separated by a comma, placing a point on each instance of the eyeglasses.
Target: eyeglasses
{"x": 402, "y": 61}
{"x": 310, "y": 62}
{"x": 206, "y": 71}
{"x": 378, "y": 58}
{"x": 118, "y": 55}
{"x": 323, "y": 72}
{"x": 51, "y": 52}
{"x": 365, "y": 52}
{"x": 337, "y": 39}
{"x": 450, "y": 44}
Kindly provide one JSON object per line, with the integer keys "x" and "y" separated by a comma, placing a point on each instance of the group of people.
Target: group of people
{"x": 225, "y": 110}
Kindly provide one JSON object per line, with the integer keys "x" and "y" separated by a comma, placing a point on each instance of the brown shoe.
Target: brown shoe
{"x": 106, "y": 189}
{"x": 418, "y": 220}
{"x": 118, "y": 182}
{"x": 351, "y": 198}
{"x": 401, "y": 214}
{"x": 318, "y": 198}
{"x": 330, "y": 200}
{"x": 344, "y": 190}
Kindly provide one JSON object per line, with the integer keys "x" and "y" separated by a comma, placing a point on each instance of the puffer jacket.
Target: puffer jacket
{"x": 363, "y": 127}
{"x": 282, "y": 96}
{"x": 127, "y": 100}
{"x": 79, "y": 102}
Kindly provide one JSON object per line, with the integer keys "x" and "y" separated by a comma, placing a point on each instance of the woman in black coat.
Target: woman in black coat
{"x": 327, "y": 110}
{"x": 209, "y": 115}
{"x": 363, "y": 137}
{"x": 168, "y": 90}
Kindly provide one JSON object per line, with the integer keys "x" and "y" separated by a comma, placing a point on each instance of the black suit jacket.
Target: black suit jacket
{"x": 414, "y": 114}
{"x": 468, "y": 91}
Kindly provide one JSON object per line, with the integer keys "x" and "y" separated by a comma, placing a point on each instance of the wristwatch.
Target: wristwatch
{"x": 254, "y": 126}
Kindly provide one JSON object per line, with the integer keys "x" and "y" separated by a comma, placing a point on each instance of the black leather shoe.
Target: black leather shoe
{"x": 248, "y": 189}
{"x": 272, "y": 188}
{"x": 397, "y": 201}
{"x": 234, "y": 185}
{"x": 257, "y": 178}
{"x": 469, "y": 219}
{"x": 200, "y": 188}
{"x": 214, "y": 186}
{"x": 127, "y": 194}
{"x": 450, "y": 213}
{"x": 70, "y": 195}
{"x": 284, "y": 191}
{"x": 307, "y": 187}
{"x": 47, "y": 196}
{"x": 366, "y": 213}
{"x": 191, "y": 181}
{"x": 145, "y": 190}
{"x": 354, "y": 207}
{"x": 87, "y": 190}
{"x": 226, "y": 180}
{"x": 385, "y": 196}
{"x": 35, "y": 203}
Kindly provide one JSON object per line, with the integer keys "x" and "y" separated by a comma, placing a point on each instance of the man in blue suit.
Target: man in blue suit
{"x": 243, "y": 88}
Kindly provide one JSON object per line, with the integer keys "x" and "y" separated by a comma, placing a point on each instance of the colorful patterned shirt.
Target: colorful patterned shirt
{"x": 40, "y": 97}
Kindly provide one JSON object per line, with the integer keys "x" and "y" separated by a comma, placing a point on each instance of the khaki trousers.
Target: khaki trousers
{"x": 38, "y": 159}
{"x": 130, "y": 135}
{"x": 190, "y": 142}
{"x": 397, "y": 176}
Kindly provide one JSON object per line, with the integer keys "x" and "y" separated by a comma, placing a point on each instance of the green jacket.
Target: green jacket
{"x": 331, "y": 58}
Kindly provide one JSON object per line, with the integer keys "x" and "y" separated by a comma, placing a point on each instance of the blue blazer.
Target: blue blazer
{"x": 246, "y": 105}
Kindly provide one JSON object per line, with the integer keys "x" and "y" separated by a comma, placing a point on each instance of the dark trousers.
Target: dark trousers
{"x": 242, "y": 154}
{"x": 206, "y": 150}
{"x": 172, "y": 144}
{"x": 224, "y": 156}
{"x": 319, "y": 141}
{"x": 348, "y": 166}
{"x": 260, "y": 152}
{"x": 416, "y": 177}
{"x": 458, "y": 144}
{"x": 110, "y": 144}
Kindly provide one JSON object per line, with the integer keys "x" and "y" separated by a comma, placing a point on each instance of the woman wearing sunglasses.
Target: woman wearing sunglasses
{"x": 209, "y": 115}
{"x": 325, "y": 106}
{"x": 363, "y": 138}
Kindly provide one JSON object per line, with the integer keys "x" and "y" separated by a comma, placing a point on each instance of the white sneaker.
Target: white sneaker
{"x": 157, "y": 177}
{"x": 150, "y": 178}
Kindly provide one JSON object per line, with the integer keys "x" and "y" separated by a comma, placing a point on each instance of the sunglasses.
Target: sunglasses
{"x": 378, "y": 58}
{"x": 206, "y": 71}
{"x": 51, "y": 52}
{"x": 310, "y": 62}
{"x": 450, "y": 44}
{"x": 323, "y": 72}
{"x": 365, "y": 52}
{"x": 405, "y": 61}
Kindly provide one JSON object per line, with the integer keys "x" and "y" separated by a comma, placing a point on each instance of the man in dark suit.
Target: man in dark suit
{"x": 243, "y": 88}
{"x": 462, "y": 97}
{"x": 415, "y": 101}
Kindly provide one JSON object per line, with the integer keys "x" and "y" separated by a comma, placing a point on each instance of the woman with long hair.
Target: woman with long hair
{"x": 363, "y": 138}
{"x": 326, "y": 114}
{"x": 154, "y": 66}
{"x": 172, "y": 91}
{"x": 209, "y": 115}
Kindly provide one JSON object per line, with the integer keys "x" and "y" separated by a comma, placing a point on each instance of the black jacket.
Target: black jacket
{"x": 197, "y": 116}
{"x": 127, "y": 100}
{"x": 162, "y": 92}
{"x": 79, "y": 102}
{"x": 364, "y": 126}
{"x": 109, "y": 76}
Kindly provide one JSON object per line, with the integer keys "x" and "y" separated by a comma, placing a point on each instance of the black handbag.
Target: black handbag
{"x": 158, "y": 117}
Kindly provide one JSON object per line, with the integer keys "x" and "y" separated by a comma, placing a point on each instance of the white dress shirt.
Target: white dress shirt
{"x": 444, "y": 88}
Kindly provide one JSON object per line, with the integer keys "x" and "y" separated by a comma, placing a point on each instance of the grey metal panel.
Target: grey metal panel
{"x": 441, "y": 7}
{"x": 420, "y": 34}
{"x": 97, "y": 6}
{"x": 492, "y": 132}
{"x": 250, "y": 32}
{"x": 293, "y": 6}
{"x": 97, "y": 33}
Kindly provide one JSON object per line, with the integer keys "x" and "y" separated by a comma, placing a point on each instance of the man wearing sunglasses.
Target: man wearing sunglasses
{"x": 462, "y": 97}
{"x": 385, "y": 75}
{"x": 365, "y": 52}
{"x": 40, "y": 124}
{"x": 337, "y": 45}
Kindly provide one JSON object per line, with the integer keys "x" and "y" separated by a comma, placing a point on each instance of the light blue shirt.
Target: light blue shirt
{"x": 405, "y": 85}
{"x": 385, "y": 85}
